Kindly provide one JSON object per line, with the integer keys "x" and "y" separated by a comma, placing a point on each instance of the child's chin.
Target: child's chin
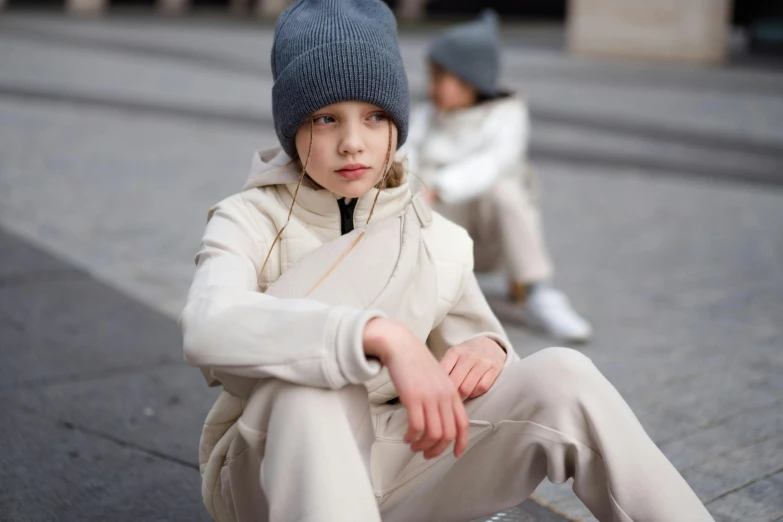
{"x": 353, "y": 190}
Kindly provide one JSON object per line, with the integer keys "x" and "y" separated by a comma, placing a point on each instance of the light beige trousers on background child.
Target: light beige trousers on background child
{"x": 505, "y": 224}
{"x": 329, "y": 456}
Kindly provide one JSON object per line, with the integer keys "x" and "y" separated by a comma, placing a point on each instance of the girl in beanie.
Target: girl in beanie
{"x": 468, "y": 144}
{"x": 363, "y": 375}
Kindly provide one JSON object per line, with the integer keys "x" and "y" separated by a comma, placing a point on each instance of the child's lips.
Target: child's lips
{"x": 353, "y": 171}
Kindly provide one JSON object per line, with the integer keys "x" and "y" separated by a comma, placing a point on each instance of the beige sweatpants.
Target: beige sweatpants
{"x": 328, "y": 456}
{"x": 505, "y": 224}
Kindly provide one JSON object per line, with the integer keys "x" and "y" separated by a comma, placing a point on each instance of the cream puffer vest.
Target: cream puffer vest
{"x": 409, "y": 263}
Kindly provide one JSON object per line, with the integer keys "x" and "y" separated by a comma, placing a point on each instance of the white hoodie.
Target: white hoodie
{"x": 462, "y": 153}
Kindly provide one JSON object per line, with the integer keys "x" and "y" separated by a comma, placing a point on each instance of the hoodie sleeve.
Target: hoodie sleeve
{"x": 469, "y": 318}
{"x": 230, "y": 326}
{"x": 506, "y": 143}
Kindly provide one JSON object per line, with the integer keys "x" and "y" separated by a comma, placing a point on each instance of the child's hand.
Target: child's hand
{"x": 436, "y": 415}
{"x": 474, "y": 365}
{"x": 430, "y": 197}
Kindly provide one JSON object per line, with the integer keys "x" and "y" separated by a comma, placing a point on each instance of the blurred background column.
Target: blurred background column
{"x": 238, "y": 7}
{"x": 271, "y": 9}
{"x": 86, "y": 7}
{"x": 689, "y": 30}
{"x": 173, "y": 6}
{"x": 411, "y": 10}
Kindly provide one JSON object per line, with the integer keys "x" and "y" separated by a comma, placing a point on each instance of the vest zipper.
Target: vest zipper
{"x": 346, "y": 214}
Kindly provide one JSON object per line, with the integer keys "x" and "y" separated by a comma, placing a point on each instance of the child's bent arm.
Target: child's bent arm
{"x": 436, "y": 415}
{"x": 230, "y": 326}
{"x": 469, "y": 318}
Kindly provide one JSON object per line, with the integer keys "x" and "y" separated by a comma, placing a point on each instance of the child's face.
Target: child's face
{"x": 350, "y": 142}
{"x": 448, "y": 92}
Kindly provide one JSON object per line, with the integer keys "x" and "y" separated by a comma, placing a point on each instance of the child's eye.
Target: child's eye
{"x": 378, "y": 116}
{"x": 323, "y": 120}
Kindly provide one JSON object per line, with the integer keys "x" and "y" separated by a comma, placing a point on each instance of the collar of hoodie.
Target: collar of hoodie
{"x": 316, "y": 206}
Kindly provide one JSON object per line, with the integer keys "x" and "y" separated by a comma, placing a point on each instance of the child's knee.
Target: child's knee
{"x": 274, "y": 397}
{"x": 507, "y": 195}
{"x": 556, "y": 377}
{"x": 565, "y": 364}
{"x": 502, "y": 199}
{"x": 287, "y": 396}
{"x": 274, "y": 400}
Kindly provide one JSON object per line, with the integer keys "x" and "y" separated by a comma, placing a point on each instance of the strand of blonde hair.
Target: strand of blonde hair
{"x": 386, "y": 169}
{"x": 291, "y": 209}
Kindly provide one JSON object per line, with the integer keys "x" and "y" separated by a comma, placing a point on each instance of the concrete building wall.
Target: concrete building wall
{"x": 690, "y": 30}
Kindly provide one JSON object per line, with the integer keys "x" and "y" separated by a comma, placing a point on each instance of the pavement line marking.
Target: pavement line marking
{"x": 743, "y": 486}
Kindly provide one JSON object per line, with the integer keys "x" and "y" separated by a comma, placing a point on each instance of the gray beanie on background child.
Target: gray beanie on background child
{"x": 329, "y": 51}
{"x": 471, "y": 52}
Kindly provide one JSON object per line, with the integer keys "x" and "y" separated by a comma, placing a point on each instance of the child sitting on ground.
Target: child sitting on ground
{"x": 468, "y": 144}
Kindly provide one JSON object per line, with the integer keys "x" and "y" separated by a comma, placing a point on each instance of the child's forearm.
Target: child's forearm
{"x": 386, "y": 338}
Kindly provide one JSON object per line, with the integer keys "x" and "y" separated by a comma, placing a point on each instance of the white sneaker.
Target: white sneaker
{"x": 549, "y": 310}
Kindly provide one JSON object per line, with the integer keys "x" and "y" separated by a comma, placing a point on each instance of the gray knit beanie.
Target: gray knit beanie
{"x": 328, "y": 51}
{"x": 471, "y": 52}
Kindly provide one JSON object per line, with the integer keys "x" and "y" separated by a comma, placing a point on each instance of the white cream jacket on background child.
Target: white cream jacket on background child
{"x": 475, "y": 160}
{"x": 319, "y": 416}
{"x": 469, "y": 146}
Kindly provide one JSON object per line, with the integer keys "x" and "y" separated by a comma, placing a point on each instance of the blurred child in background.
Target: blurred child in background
{"x": 468, "y": 144}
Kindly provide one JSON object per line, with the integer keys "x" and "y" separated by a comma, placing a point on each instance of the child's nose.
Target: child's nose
{"x": 351, "y": 142}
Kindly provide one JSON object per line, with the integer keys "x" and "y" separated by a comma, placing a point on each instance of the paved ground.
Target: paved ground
{"x": 664, "y": 210}
{"x": 100, "y": 418}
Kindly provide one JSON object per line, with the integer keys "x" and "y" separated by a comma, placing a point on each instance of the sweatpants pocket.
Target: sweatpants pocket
{"x": 393, "y": 464}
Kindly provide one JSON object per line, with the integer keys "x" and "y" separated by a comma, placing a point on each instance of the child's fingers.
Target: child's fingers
{"x": 462, "y": 425}
{"x": 447, "y": 420}
{"x": 415, "y": 422}
{"x": 460, "y": 371}
{"x": 449, "y": 430}
{"x": 433, "y": 430}
{"x": 485, "y": 383}
{"x": 449, "y": 360}
{"x": 472, "y": 379}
